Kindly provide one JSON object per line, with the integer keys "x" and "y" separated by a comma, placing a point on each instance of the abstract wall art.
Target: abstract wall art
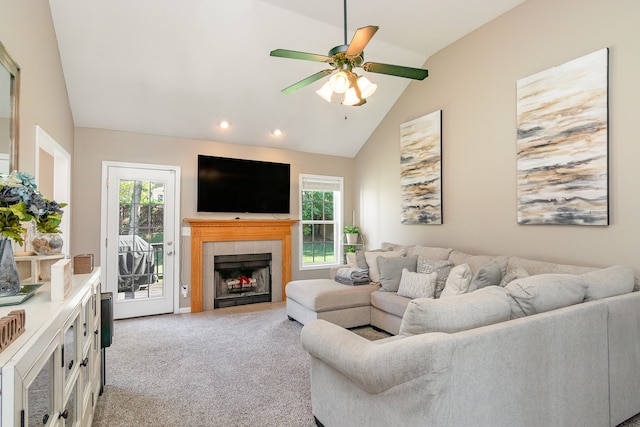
{"x": 562, "y": 143}
{"x": 421, "y": 170}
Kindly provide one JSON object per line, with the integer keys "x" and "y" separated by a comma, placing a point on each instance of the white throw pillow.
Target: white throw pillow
{"x": 458, "y": 281}
{"x": 608, "y": 282}
{"x": 545, "y": 292}
{"x": 417, "y": 285}
{"x": 486, "y": 306}
{"x": 372, "y": 261}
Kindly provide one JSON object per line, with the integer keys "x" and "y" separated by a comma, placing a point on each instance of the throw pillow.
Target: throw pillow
{"x": 608, "y": 282}
{"x": 458, "y": 281}
{"x": 442, "y": 267}
{"x": 489, "y": 275}
{"x": 484, "y": 307}
{"x": 391, "y": 271}
{"x": 544, "y": 292}
{"x": 513, "y": 274}
{"x": 361, "y": 261}
{"x": 372, "y": 262}
{"x": 351, "y": 260}
{"x": 417, "y": 285}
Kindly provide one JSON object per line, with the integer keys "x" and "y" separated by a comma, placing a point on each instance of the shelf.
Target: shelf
{"x": 36, "y": 261}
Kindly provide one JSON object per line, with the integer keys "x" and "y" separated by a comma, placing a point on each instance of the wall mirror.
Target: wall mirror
{"x": 9, "y": 93}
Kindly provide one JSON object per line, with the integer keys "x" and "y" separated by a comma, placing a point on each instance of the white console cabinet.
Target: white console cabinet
{"x": 50, "y": 375}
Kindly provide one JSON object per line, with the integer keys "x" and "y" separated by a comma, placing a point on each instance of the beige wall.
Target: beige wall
{"x": 93, "y": 146}
{"x": 27, "y": 32}
{"x": 474, "y": 82}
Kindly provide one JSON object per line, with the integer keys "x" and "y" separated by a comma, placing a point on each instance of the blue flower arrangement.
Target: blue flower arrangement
{"x": 20, "y": 201}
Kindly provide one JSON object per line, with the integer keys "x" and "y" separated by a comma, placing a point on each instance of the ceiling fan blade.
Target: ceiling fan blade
{"x": 360, "y": 39}
{"x": 304, "y": 82}
{"x": 396, "y": 70}
{"x": 292, "y": 54}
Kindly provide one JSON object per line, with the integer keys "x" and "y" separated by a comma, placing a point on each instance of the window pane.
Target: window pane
{"x": 328, "y": 206}
{"x": 307, "y": 205}
{"x": 318, "y": 206}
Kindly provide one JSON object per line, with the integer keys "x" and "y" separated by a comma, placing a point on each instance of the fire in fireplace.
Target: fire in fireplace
{"x": 241, "y": 279}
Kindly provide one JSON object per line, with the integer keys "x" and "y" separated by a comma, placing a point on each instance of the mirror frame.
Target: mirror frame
{"x": 14, "y": 94}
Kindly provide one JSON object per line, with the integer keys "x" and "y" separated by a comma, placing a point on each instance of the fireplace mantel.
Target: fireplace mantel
{"x": 226, "y": 230}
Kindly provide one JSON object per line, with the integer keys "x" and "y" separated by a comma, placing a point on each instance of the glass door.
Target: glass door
{"x": 140, "y": 240}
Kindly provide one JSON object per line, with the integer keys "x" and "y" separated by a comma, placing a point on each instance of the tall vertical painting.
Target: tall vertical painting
{"x": 421, "y": 170}
{"x": 562, "y": 143}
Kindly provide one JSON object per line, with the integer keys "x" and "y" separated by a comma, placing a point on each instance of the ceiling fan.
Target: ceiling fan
{"x": 343, "y": 59}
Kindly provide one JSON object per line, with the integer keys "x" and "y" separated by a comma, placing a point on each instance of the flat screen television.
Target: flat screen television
{"x": 242, "y": 186}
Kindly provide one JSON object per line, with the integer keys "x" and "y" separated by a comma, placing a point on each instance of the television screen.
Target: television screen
{"x": 242, "y": 186}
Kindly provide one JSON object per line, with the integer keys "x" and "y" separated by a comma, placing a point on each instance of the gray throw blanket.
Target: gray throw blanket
{"x": 353, "y": 276}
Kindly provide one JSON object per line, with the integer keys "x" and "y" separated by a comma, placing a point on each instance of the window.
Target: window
{"x": 321, "y": 220}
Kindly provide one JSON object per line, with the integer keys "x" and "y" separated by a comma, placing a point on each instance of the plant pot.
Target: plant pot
{"x": 9, "y": 278}
{"x": 352, "y": 238}
{"x": 47, "y": 244}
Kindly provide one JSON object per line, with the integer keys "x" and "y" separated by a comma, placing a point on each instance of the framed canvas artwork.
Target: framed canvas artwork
{"x": 421, "y": 170}
{"x": 562, "y": 143}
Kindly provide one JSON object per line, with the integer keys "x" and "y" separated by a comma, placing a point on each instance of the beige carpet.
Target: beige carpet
{"x": 239, "y": 366}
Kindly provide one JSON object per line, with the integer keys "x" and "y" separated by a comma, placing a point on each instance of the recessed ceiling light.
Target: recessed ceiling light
{"x": 224, "y": 124}
{"x": 277, "y": 132}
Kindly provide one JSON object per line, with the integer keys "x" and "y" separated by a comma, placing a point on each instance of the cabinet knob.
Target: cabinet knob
{"x": 85, "y": 361}
{"x": 64, "y": 414}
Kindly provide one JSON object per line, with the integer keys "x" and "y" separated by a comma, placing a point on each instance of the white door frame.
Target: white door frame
{"x": 176, "y": 238}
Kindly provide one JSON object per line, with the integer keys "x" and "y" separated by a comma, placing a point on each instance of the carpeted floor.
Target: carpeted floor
{"x": 232, "y": 367}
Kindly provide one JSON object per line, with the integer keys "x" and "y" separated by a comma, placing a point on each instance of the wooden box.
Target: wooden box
{"x": 83, "y": 264}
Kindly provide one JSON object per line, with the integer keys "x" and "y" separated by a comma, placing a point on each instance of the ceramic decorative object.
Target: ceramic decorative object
{"x": 9, "y": 278}
{"x": 47, "y": 243}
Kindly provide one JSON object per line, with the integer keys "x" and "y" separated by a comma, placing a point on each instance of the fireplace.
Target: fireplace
{"x": 241, "y": 279}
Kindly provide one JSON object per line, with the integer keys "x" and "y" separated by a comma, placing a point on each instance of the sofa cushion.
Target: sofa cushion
{"x": 391, "y": 271}
{"x": 372, "y": 262}
{"x": 442, "y": 267}
{"x": 489, "y": 275}
{"x": 429, "y": 252}
{"x": 417, "y": 285}
{"x": 608, "y": 282}
{"x": 534, "y": 267}
{"x": 513, "y": 274}
{"x": 389, "y": 302}
{"x": 476, "y": 262}
{"x": 458, "y": 281}
{"x": 486, "y": 306}
{"x": 545, "y": 292}
{"x": 320, "y": 295}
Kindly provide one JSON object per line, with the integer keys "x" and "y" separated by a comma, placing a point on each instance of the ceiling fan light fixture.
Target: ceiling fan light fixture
{"x": 340, "y": 82}
{"x": 350, "y": 97}
{"x": 325, "y": 92}
{"x": 366, "y": 87}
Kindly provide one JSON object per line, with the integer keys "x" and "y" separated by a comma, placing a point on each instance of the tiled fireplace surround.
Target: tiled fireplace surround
{"x": 234, "y": 237}
{"x": 211, "y": 249}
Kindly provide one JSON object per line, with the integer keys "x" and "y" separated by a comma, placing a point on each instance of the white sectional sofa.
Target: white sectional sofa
{"x": 558, "y": 348}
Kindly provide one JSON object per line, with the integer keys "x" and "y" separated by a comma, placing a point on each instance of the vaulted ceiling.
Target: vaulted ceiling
{"x": 177, "y": 68}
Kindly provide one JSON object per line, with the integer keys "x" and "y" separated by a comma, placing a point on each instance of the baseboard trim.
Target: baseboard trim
{"x": 184, "y": 310}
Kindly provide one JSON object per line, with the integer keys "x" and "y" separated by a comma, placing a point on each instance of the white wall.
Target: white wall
{"x": 474, "y": 82}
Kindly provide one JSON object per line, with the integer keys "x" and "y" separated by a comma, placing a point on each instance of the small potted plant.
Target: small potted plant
{"x": 352, "y": 234}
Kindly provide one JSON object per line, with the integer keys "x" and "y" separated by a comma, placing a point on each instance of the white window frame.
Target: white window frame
{"x": 306, "y": 182}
